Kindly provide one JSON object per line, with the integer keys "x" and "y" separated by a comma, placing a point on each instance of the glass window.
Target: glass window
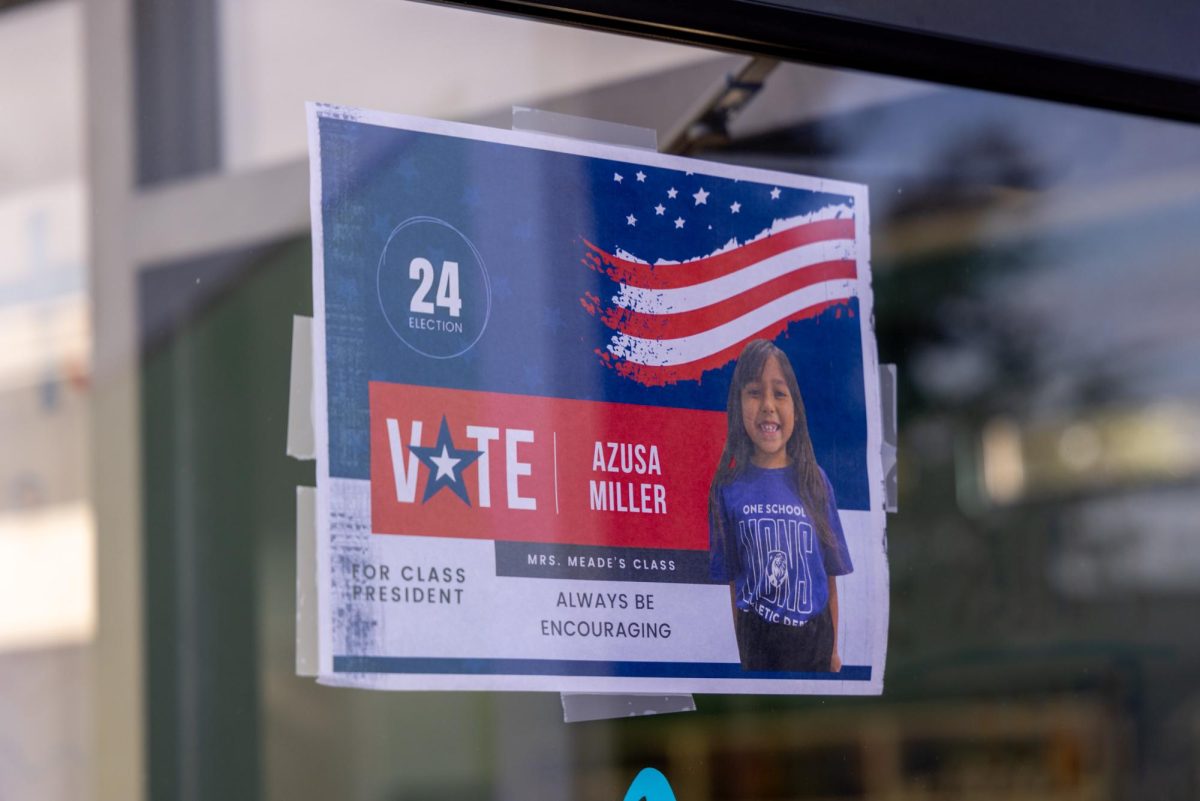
{"x": 1034, "y": 286}
{"x": 410, "y": 58}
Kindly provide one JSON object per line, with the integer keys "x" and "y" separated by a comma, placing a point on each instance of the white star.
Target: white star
{"x": 689, "y": 172}
{"x": 678, "y": 222}
{"x": 617, "y": 177}
{"x": 775, "y": 193}
{"x": 701, "y": 197}
{"x": 672, "y": 192}
{"x": 631, "y": 220}
{"x": 735, "y": 208}
{"x": 659, "y": 209}
{"x": 641, "y": 176}
{"x": 445, "y": 464}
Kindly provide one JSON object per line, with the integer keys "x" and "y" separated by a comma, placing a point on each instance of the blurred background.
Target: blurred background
{"x": 1036, "y": 279}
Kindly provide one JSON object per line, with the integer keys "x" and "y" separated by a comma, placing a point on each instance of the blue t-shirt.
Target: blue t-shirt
{"x": 770, "y": 549}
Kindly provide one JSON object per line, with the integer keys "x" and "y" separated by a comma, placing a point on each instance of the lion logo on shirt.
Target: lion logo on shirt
{"x": 777, "y": 571}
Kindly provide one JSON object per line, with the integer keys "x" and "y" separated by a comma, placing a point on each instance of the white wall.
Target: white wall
{"x": 41, "y": 95}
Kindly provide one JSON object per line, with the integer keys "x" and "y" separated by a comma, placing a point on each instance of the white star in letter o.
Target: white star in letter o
{"x": 445, "y": 464}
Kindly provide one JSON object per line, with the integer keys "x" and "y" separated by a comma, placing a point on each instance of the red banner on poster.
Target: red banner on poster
{"x": 485, "y": 465}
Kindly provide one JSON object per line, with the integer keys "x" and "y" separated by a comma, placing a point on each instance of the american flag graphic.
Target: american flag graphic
{"x": 672, "y": 320}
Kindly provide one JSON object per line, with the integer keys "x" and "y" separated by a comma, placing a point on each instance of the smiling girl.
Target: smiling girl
{"x": 775, "y": 535}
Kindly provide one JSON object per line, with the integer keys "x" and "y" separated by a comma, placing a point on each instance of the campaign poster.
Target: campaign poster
{"x": 590, "y": 419}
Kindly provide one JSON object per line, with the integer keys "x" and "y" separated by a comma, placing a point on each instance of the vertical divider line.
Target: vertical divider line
{"x": 554, "y": 434}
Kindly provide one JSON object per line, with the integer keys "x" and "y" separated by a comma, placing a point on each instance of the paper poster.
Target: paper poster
{"x": 590, "y": 419}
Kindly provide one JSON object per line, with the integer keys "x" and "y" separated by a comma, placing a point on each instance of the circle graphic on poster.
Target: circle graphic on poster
{"x": 433, "y": 288}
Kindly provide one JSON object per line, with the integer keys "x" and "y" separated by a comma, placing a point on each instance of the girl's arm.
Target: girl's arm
{"x": 835, "y": 662}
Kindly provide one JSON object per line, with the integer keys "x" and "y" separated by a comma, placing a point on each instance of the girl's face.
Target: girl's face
{"x": 769, "y": 415}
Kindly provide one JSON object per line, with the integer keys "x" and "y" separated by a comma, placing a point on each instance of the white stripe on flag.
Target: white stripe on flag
{"x": 667, "y": 352}
{"x": 697, "y": 296}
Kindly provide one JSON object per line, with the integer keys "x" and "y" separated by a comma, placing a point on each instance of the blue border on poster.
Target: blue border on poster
{"x": 574, "y": 667}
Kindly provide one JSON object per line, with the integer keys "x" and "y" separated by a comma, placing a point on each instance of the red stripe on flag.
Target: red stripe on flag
{"x": 674, "y": 276}
{"x": 689, "y": 323}
{"x": 660, "y": 376}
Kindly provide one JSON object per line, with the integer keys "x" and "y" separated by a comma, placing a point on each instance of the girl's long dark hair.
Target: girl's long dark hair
{"x": 810, "y": 484}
